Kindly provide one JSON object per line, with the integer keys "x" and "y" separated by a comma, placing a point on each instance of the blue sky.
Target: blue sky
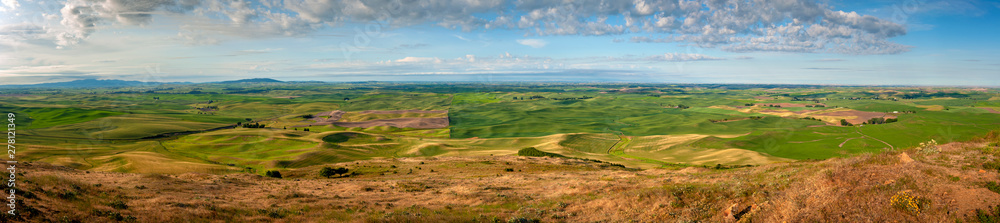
{"x": 909, "y": 42}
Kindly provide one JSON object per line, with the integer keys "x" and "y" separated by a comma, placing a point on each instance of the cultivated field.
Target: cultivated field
{"x": 614, "y": 133}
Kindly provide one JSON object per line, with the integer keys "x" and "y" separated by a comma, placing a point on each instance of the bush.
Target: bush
{"x": 929, "y": 147}
{"x": 994, "y": 165}
{"x": 273, "y": 173}
{"x": 118, "y": 205}
{"x": 909, "y": 203}
{"x": 844, "y": 122}
{"x": 992, "y": 186}
{"x": 328, "y": 172}
{"x": 991, "y": 214}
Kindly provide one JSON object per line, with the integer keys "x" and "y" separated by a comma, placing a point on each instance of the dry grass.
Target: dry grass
{"x": 449, "y": 189}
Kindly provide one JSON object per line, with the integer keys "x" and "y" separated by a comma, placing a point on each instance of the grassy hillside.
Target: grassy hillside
{"x": 956, "y": 185}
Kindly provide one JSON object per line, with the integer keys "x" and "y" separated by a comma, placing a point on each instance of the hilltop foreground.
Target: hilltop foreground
{"x": 957, "y": 183}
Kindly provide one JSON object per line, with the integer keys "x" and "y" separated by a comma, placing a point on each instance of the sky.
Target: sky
{"x": 875, "y": 42}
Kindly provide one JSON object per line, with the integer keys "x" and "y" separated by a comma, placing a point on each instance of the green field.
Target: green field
{"x": 190, "y": 128}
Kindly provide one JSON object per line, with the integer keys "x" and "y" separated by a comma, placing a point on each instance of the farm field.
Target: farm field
{"x": 256, "y": 127}
{"x": 404, "y": 133}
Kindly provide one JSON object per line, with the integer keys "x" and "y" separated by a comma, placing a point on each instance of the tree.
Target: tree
{"x": 273, "y": 173}
{"x": 328, "y": 172}
{"x": 844, "y": 122}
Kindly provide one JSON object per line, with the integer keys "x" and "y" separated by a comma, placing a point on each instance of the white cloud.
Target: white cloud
{"x": 535, "y": 43}
{"x": 682, "y": 57}
{"x": 731, "y": 25}
{"x": 10, "y": 5}
{"x": 418, "y": 59}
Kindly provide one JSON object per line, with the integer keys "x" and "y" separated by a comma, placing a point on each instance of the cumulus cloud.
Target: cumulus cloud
{"x": 730, "y": 25}
{"x": 534, "y": 43}
{"x": 9, "y": 5}
{"x": 81, "y": 17}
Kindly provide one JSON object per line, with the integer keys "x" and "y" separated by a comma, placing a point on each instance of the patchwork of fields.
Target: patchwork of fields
{"x": 254, "y": 127}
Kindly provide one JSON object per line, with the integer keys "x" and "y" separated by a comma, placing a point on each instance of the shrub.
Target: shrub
{"x": 328, "y": 172}
{"x": 118, "y": 205}
{"x": 844, "y": 122}
{"x": 909, "y": 203}
{"x": 992, "y": 186}
{"x": 991, "y": 214}
{"x": 273, "y": 173}
{"x": 994, "y": 165}
{"x": 929, "y": 147}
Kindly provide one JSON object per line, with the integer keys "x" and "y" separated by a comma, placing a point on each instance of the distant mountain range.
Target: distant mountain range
{"x": 95, "y": 83}
{"x": 251, "y": 80}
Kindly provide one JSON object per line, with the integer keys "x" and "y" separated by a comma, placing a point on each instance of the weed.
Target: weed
{"x": 990, "y": 215}
{"x": 929, "y": 147}
{"x": 992, "y": 165}
{"x": 910, "y": 203}
{"x": 118, "y": 205}
{"x": 992, "y": 186}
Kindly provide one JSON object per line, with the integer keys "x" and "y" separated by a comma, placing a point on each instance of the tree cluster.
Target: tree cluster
{"x": 844, "y": 122}
{"x": 253, "y": 125}
{"x": 328, "y": 172}
{"x": 876, "y": 121}
{"x": 273, "y": 173}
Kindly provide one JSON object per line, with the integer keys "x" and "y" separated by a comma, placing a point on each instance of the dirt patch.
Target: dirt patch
{"x": 856, "y": 117}
{"x": 932, "y": 107}
{"x": 417, "y": 123}
{"x": 288, "y": 97}
{"x": 786, "y": 105}
{"x": 402, "y": 111}
{"x": 324, "y": 118}
{"x": 991, "y": 110}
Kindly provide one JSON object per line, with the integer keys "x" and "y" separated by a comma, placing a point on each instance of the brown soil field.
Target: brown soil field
{"x": 785, "y": 105}
{"x": 401, "y": 111}
{"x": 949, "y": 186}
{"x": 932, "y": 107}
{"x": 417, "y": 123}
{"x": 856, "y": 117}
{"x": 992, "y": 110}
{"x": 320, "y": 120}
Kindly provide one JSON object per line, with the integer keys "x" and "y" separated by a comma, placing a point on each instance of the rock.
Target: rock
{"x": 728, "y": 213}
{"x": 905, "y": 158}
